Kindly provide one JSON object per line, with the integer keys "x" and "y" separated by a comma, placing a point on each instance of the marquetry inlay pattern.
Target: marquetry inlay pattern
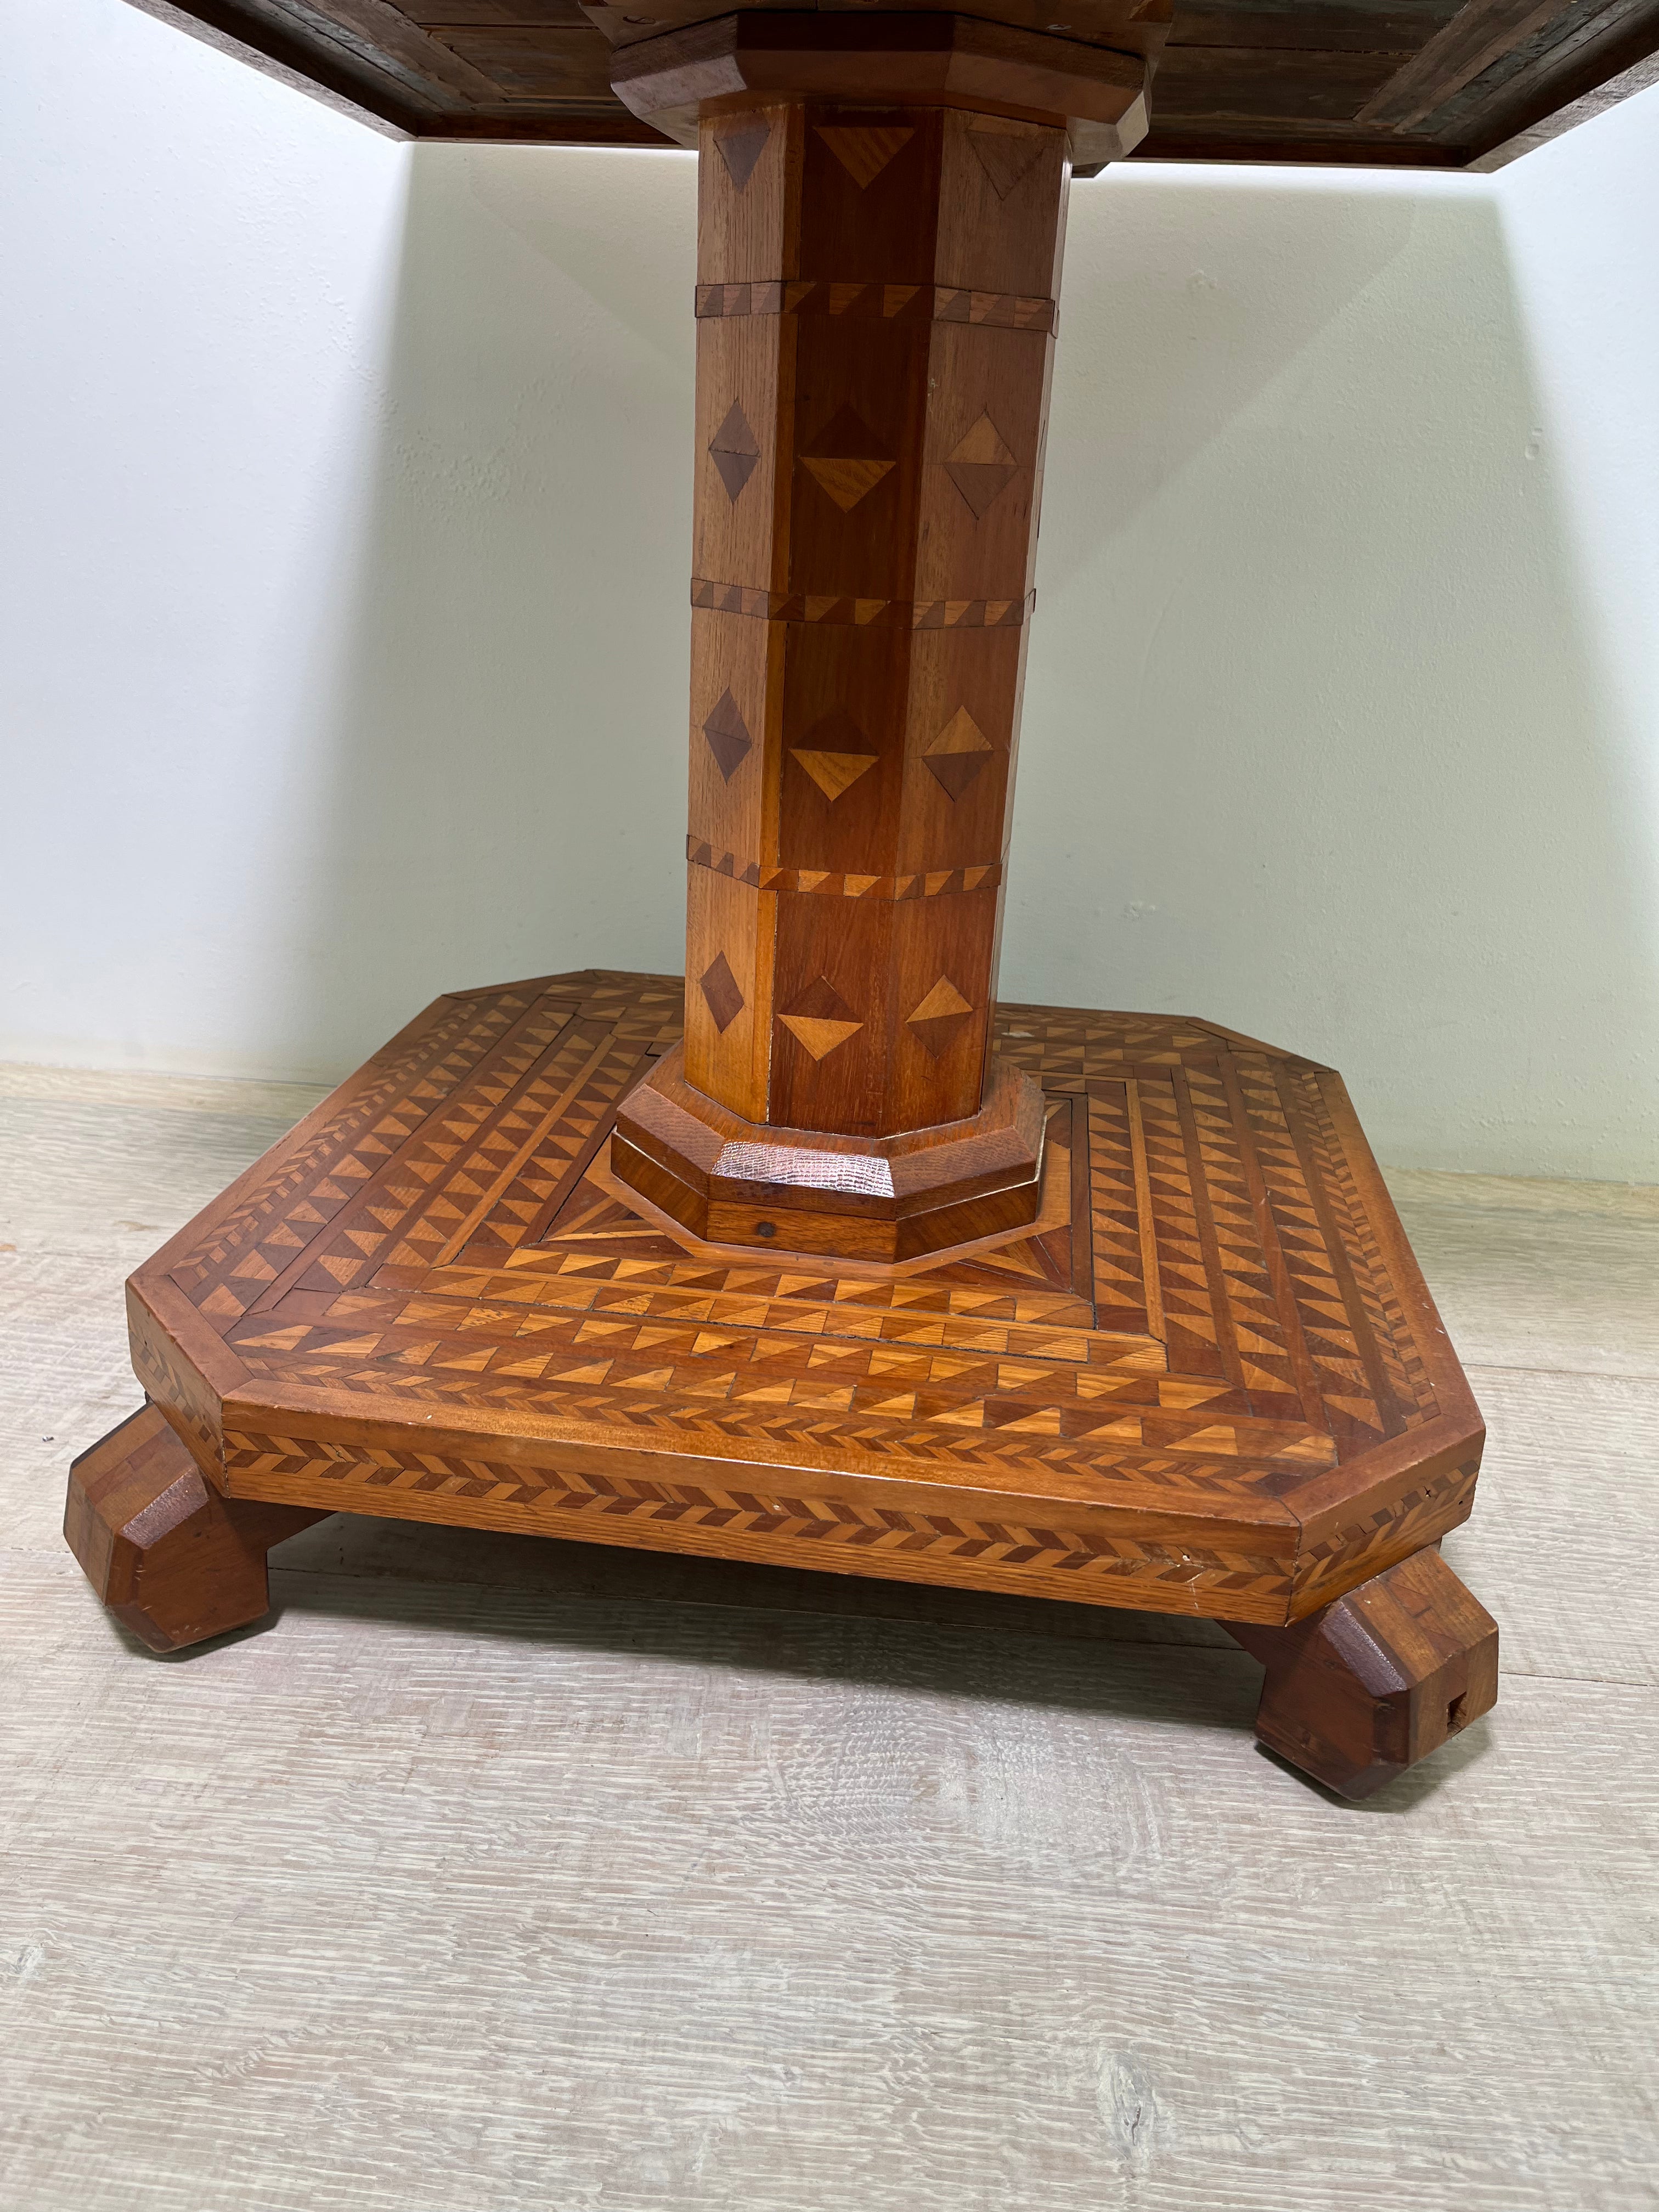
{"x": 886, "y": 303}
{"x": 716, "y": 598}
{"x": 827, "y": 883}
{"x": 1208, "y": 1377}
{"x": 721, "y": 993}
{"x": 957, "y": 754}
{"x": 727, "y": 735}
{"x": 1120, "y": 1311}
{"x": 734, "y": 453}
{"x": 876, "y": 320}
{"x": 864, "y": 152}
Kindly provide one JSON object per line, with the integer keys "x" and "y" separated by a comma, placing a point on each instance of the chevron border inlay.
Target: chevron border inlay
{"x": 1212, "y": 1310}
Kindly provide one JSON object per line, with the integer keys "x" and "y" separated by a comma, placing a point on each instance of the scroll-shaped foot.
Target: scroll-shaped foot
{"x": 1360, "y": 1691}
{"x": 172, "y": 1560}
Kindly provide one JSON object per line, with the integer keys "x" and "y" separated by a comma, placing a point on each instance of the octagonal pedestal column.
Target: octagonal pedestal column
{"x": 876, "y": 322}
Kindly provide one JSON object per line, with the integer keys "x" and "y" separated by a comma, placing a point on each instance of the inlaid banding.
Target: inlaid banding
{"x": 863, "y": 614}
{"x": 935, "y": 882}
{"x": 883, "y": 303}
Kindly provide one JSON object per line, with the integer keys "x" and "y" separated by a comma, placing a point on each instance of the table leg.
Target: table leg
{"x": 174, "y": 1560}
{"x": 1365, "y": 1687}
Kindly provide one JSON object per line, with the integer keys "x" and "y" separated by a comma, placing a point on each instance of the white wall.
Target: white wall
{"x": 342, "y": 648}
{"x": 1346, "y": 621}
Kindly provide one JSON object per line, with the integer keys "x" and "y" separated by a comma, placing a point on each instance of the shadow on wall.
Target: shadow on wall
{"x": 503, "y": 792}
{"x": 1315, "y": 743}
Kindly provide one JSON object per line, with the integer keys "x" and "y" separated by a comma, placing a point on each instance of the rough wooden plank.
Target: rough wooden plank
{"x": 1481, "y": 33}
{"x": 1576, "y": 64}
{"x": 1593, "y": 102}
{"x": 1501, "y": 65}
{"x": 249, "y": 32}
{"x": 565, "y": 61}
{"x": 1327, "y": 29}
{"x": 1246, "y": 107}
{"x": 1221, "y": 86}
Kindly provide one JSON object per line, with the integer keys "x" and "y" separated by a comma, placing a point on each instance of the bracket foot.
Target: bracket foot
{"x": 174, "y": 1560}
{"x": 1363, "y": 1689}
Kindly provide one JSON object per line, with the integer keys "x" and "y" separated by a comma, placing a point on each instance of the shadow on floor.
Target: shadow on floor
{"x": 1130, "y": 1666}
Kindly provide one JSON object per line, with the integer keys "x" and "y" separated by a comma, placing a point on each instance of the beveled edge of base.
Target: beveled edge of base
{"x": 933, "y": 1238}
{"x": 1348, "y": 1524}
{"x": 701, "y": 1247}
{"x": 922, "y": 1193}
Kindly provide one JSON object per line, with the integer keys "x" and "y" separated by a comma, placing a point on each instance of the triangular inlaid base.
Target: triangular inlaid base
{"x": 1207, "y": 1379}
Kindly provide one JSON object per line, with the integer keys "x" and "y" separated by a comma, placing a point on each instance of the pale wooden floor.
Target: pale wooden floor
{"x": 499, "y": 1874}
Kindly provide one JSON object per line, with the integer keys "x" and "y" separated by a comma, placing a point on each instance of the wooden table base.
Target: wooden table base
{"x": 1207, "y": 1380}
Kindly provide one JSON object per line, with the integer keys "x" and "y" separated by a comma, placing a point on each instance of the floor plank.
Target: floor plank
{"x": 1539, "y": 1274}
{"x": 430, "y": 1897}
{"x": 1562, "y": 1545}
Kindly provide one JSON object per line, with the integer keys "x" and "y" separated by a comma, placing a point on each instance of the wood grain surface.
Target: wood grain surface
{"x": 175, "y": 1561}
{"x": 1208, "y": 1379}
{"x": 870, "y": 432}
{"x": 1422, "y": 82}
{"x": 503, "y": 1873}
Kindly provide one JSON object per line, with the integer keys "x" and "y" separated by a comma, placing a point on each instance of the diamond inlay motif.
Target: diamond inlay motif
{"x": 728, "y": 736}
{"x": 721, "y": 993}
{"x": 820, "y": 1018}
{"x": 957, "y": 754}
{"x": 846, "y": 460}
{"x": 938, "y": 1020}
{"x": 733, "y": 451}
{"x": 981, "y": 467}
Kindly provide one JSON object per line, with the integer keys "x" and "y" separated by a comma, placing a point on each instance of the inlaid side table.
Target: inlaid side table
{"x": 822, "y": 1256}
